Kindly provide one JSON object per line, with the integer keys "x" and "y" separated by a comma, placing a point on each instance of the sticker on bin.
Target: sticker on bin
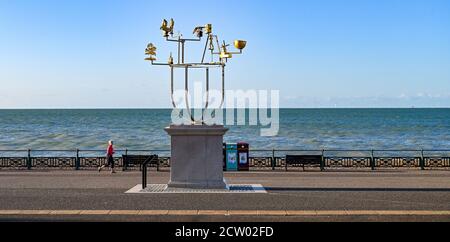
{"x": 243, "y": 158}
{"x": 232, "y": 158}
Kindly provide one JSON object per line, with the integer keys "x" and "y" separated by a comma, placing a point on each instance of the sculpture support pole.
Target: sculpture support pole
{"x": 207, "y": 95}
{"x": 223, "y": 87}
{"x": 207, "y": 88}
{"x": 172, "y": 88}
{"x": 179, "y": 46}
{"x": 204, "y": 51}
{"x": 182, "y": 52}
{"x": 186, "y": 93}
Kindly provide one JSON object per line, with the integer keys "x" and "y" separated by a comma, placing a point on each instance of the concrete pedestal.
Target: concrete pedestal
{"x": 197, "y": 156}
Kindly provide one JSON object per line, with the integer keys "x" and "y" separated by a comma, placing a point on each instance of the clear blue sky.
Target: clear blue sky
{"x": 81, "y": 54}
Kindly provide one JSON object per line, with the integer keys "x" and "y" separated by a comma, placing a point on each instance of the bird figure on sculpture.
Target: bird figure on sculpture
{"x": 167, "y": 28}
{"x": 198, "y": 31}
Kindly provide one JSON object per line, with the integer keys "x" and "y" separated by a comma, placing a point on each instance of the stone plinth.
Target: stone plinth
{"x": 197, "y": 156}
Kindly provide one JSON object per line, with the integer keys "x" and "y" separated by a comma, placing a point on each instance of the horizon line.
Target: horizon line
{"x": 168, "y": 108}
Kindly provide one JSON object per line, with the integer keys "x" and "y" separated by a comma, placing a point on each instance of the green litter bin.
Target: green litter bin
{"x": 231, "y": 157}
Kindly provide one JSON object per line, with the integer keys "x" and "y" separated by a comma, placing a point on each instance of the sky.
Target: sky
{"x": 90, "y": 54}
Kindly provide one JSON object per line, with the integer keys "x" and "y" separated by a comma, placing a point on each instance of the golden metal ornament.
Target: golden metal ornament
{"x": 225, "y": 55}
{"x": 150, "y": 59}
{"x": 208, "y": 28}
{"x": 164, "y": 25}
{"x": 170, "y": 59}
{"x": 165, "y": 29}
{"x": 150, "y": 50}
{"x": 240, "y": 44}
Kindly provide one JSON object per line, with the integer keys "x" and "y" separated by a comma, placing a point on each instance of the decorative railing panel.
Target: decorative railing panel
{"x": 357, "y": 162}
{"x": 437, "y": 162}
{"x": 260, "y": 162}
{"x": 93, "y": 162}
{"x": 280, "y": 161}
{"x": 13, "y": 162}
{"x": 53, "y": 162}
{"x": 164, "y": 162}
{"x": 406, "y": 162}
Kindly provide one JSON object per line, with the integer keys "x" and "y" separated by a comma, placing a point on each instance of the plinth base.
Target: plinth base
{"x": 197, "y": 157}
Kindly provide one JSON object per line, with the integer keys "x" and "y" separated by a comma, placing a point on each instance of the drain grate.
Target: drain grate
{"x": 163, "y": 188}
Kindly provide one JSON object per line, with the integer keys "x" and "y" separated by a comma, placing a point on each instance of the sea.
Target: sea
{"x": 306, "y": 129}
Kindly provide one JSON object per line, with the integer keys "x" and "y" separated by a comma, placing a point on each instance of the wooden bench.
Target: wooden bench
{"x": 311, "y": 160}
{"x": 139, "y": 160}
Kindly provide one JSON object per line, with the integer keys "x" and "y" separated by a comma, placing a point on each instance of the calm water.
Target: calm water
{"x": 299, "y": 128}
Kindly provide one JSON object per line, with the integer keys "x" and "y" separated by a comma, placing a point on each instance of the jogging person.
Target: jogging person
{"x": 109, "y": 157}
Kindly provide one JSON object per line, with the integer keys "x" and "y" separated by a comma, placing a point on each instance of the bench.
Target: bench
{"x": 139, "y": 160}
{"x": 311, "y": 160}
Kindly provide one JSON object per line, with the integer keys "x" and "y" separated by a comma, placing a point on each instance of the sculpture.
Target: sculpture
{"x": 212, "y": 44}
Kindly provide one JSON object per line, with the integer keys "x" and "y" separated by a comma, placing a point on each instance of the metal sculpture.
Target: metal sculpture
{"x": 212, "y": 45}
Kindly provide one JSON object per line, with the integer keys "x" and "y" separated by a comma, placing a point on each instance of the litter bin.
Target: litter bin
{"x": 243, "y": 150}
{"x": 231, "y": 156}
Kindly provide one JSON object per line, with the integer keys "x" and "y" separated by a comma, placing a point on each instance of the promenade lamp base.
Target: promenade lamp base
{"x": 197, "y": 156}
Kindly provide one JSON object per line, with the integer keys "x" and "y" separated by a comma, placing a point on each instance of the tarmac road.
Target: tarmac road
{"x": 393, "y": 190}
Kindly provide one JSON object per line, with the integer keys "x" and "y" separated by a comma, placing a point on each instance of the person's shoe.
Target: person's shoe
{"x": 113, "y": 172}
{"x": 99, "y": 169}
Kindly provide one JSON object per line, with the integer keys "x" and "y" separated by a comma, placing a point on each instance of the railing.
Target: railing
{"x": 259, "y": 159}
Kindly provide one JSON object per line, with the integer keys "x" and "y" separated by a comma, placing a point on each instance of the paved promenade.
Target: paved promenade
{"x": 388, "y": 195}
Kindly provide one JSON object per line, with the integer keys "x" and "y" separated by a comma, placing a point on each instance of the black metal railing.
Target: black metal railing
{"x": 259, "y": 159}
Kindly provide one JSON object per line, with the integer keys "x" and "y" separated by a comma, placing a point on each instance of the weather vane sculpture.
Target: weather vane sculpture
{"x": 219, "y": 55}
